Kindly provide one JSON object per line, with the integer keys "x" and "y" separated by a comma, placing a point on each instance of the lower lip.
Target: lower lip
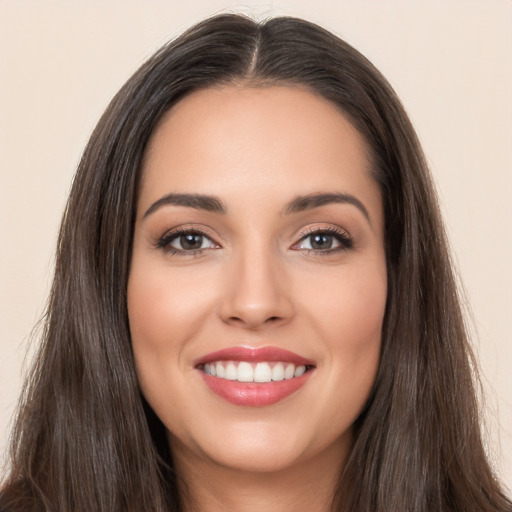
{"x": 254, "y": 394}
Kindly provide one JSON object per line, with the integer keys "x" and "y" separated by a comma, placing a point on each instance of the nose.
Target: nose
{"x": 256, "y": 292}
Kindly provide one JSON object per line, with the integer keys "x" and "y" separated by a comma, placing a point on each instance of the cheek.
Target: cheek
{"x": 349, "y": 317}
{"x": 154, "y": 309}
{"x": 350, "y": 306}
{"x": 161, "y": 321}
{"x": 164, "y": 307}
{"x": 166, "y": 310}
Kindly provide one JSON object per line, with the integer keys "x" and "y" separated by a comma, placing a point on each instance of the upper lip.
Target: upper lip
{"x": 250, "y": 354}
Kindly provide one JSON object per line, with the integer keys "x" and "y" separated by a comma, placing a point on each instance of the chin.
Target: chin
{"x": 254, "y": 459}
{"x": 260, "y": 448}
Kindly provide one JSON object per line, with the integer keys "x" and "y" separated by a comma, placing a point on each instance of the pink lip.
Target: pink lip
{"x": 254, "y": 394}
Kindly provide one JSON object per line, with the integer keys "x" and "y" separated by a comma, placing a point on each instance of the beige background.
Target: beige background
{"x": 449, "y": 60}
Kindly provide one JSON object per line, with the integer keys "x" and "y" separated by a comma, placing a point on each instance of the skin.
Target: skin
{"x": 257, "y": 282}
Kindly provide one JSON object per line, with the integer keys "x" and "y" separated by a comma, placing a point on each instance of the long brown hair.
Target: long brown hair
{"x": 85, "y": 439}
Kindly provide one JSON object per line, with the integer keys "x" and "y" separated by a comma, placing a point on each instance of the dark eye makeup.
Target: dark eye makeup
{"x": 187, "y": 241}
{"x": 324, "y": 240}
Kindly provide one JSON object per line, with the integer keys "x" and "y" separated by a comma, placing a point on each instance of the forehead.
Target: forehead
{"x": 270, "y": 140}
{"x": 229, "y": 114}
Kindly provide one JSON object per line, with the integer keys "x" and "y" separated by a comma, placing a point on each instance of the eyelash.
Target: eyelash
{"x": 345, "y": 240}
{"x": 164, "y": 243}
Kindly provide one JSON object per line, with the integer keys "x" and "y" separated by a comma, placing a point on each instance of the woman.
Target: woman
{"x": 253, "y": 305}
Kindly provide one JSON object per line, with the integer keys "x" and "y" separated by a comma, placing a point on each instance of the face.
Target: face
{"x": 258, "y": 284}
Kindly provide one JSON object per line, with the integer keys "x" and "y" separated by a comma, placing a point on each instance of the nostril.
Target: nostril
{"x": 253, "y": 311}
{"x": 269, "y": 319}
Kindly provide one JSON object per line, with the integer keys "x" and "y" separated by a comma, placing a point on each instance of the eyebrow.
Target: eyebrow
{"x": 197, "y": 201}
{"x": 308, "y": 202}
{"x": 298, "y": 204}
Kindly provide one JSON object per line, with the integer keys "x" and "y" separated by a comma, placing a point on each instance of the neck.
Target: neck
{"x": 209, "y": 487}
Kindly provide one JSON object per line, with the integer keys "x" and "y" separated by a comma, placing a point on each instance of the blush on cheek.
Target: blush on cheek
{"x": 149, "y": 309}
{"x": 358, "y": 314}
{"x": 144, "y": 325}
{"x": 369, "y": 301}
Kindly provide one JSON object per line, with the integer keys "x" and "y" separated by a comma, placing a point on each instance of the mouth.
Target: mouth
{"x": 245, "y": 371}
{"x": 254, "y": 377}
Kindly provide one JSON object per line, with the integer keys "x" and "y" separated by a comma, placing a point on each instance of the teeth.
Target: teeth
{"x": 300, "y": 370}
{"x": 278, "y": 372}
{"x": 244, "y": 371}
{"x": 289, "y": 371}
{"x": 219, "y": 370}
{"x": 231, "y": 372}
{"x": 262, "y": 372}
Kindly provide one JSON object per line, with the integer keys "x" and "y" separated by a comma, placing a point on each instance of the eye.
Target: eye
{"x": 186, "y": 242}
{"x": 324, "y": 240}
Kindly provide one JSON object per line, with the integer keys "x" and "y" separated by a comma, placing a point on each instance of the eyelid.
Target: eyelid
{"x": 163, "y": 241}
{"x": 342, "y": 235}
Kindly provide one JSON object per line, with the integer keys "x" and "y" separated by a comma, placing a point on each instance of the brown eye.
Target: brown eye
{"x": 324, "y": 241}
{"x": 321, "y": 241}
{"x": 188, "y": 242}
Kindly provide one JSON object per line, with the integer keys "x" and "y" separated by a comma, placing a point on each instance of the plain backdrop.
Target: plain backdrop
{"x": 449, "y": 60}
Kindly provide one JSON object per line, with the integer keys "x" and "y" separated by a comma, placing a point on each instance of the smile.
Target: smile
{"x": 254, "y": 377}
{"x": 244, "y": 371}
